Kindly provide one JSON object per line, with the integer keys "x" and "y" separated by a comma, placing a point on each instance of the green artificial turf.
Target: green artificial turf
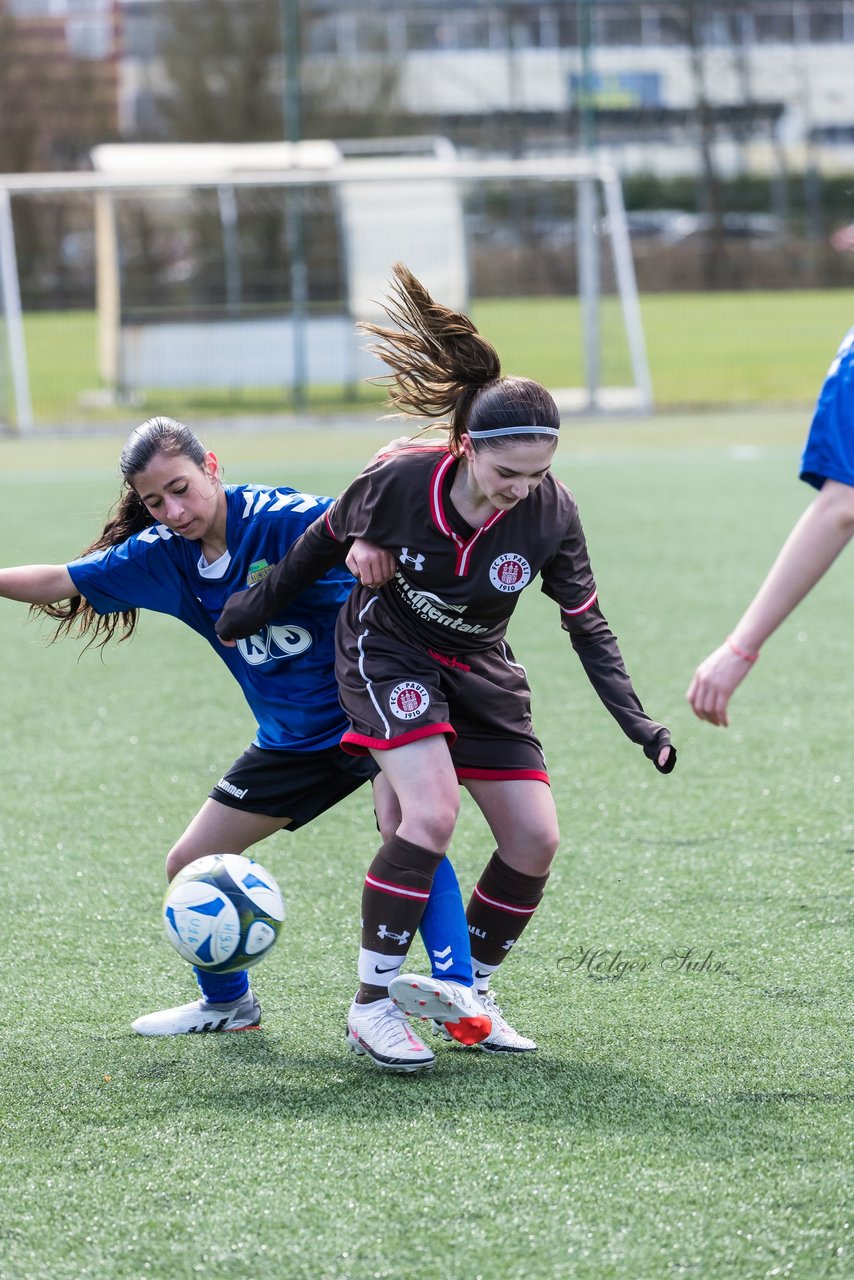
{"x": 675, "y": 1122}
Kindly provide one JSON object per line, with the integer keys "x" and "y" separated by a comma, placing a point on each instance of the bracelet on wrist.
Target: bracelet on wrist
{"x": 740, "y": 653}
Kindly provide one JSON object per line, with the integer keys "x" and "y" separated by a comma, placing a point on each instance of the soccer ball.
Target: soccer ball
{"x": 223, "y": 912}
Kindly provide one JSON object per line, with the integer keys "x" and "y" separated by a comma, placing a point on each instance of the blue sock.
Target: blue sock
{"x": 222, "y": 988}
{"x": 444, "y": 930}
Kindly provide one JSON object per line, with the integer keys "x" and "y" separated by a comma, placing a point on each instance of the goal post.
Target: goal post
{"x": 469, "y": 227}
{"x": 16, "y": 383}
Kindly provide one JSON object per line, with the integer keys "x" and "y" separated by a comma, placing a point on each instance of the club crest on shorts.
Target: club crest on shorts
{"x": 408, "y": 700}
{"x": 510, "y": 572}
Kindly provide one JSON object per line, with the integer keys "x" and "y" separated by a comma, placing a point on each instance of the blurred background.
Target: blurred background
{"x": 644, "y": 203}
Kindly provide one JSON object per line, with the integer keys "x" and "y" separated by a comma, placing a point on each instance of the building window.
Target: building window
{"x": 827, "y": 24}
{"x": 429, "y": 32}
{"x": 774, "y": 26}
{"x": 36, "y": 8}
{"x": 413, "y": 27}
{"x": 321, "y": 35}
{"x": 567, "y": 27}
{"x": 618, "y": 25}
{"x": 672, "y": 28}
{"x": 472, "y": 30}
{"x": 89, "y": 37}
{"x": 370, "y": 33}
{"x": 141, "y": 32}
{"x": 527, "y": 29}
{"x": 86, "y": 8}
{"x": 719, "y": 29}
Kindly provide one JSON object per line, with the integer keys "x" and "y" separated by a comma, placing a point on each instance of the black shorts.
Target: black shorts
{"x": 299, "y": 785}
{"x": 397, "y": 692}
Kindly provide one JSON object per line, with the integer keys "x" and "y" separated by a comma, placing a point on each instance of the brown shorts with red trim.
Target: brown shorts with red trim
{"x": 396, "y": 692}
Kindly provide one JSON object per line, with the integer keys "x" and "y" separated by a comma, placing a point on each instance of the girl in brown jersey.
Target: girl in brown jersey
{"x": 426, "y": 676}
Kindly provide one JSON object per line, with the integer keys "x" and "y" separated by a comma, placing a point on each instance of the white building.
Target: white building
{"x": 780, "y": 71}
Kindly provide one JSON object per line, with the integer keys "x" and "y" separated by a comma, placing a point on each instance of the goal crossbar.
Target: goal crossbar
{"x": 589, "y": 171}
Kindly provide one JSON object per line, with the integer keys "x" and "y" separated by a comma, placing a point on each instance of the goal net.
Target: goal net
{"x": 231, "y": 278}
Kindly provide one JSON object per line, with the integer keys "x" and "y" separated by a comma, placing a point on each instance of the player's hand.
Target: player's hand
{"x": 715, "y": 681}
{"x": 238, "y": 619}
{"x": 371, "y": 565}
{"x": 661, "y": 751}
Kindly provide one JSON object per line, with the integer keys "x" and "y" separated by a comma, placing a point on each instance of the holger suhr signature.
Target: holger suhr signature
{"x": 605, "y": 962}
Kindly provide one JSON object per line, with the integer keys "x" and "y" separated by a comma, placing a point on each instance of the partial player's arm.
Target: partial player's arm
{"x": 822, "y": 532}
{"x": 313, "y": 554}
{"x": 37, "y": 583}
{"x": 329, "y": 541}
{"x": 596, "y": 646}
{"x": 568, "y": 579}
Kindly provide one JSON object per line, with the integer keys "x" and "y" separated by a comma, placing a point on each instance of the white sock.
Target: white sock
{"x": 376, "y": 969}
{"x": 482, "y": 974}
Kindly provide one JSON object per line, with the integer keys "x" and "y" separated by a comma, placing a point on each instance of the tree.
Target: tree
{"x": 219, "y": 62}
{"x": 691, "y": 19}
{"x": 223, "y": 66}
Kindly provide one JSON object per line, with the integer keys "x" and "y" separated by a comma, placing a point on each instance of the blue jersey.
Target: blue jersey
{"x": 829, "y": 450}
{"x": 287, "y": 670}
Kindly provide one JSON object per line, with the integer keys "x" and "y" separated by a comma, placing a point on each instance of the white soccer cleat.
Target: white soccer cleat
{"x": 382, "y": 1032}
{"x": 503, "y": 1038}
{"x": 199, "y": 1017}
{"x": 450, "y": 1004}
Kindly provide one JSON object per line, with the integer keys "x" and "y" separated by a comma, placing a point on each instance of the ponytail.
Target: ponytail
{"x": 441, "y": 367}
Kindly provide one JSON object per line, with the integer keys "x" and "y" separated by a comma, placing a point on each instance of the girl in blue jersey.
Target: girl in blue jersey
{"x": 180, "y": 542}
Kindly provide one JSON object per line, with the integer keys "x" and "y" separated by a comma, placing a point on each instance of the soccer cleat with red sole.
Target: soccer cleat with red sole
{"x": 455, "y": 1007}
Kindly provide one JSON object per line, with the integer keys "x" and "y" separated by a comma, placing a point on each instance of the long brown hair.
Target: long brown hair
{"x": 442, "y": 367}
{"x": 128, "y": 516}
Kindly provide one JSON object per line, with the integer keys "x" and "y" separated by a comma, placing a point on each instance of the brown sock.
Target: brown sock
{"x": 500, "y": 907}
{"x": 397, "y": 886}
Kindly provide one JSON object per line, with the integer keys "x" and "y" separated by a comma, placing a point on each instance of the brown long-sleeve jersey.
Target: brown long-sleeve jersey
{"x": 456, "y": 587}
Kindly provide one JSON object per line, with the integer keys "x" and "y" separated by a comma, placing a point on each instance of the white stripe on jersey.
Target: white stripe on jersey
{"x": 582, "y": 608}
{"x": 369, "y": 688}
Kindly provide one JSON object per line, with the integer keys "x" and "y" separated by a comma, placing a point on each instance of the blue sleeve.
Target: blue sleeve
{"x": 829, "y": 451}
{"x": 137, "y": 574}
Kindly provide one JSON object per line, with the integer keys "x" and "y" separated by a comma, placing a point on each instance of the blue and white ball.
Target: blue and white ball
{"x": 223, "y": 912}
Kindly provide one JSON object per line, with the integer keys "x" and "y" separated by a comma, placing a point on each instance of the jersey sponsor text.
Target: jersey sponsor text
{"x": 431, "y": 608}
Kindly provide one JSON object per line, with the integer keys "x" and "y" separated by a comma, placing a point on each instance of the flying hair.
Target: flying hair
{"x": 437, "y": 358}
{"x": 442, "y": 367}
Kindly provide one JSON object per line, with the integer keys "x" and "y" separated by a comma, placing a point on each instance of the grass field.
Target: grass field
{"x": 674, "y": 1122}
{"x": 704, "y": 349}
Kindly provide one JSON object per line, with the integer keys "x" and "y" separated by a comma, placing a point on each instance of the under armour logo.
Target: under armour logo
{"x": 400, "y": 938}
{"x": 417, "y": 561}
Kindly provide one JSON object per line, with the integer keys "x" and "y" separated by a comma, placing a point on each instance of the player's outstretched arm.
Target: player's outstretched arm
{"x": 37, "y": 583}
{"x": 822, "y": 532}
